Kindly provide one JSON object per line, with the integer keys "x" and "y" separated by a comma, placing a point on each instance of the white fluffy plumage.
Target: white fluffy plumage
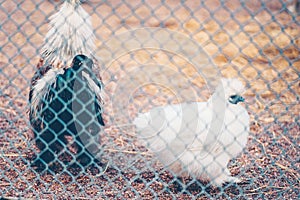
{"x": 71, "y": 33}
{"x": 198, "y": 139}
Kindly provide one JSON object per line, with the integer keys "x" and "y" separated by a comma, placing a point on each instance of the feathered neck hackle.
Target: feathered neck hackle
{"x": 70, "y": 33}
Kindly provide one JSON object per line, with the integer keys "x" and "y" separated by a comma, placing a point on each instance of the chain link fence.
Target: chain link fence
{"x": 151, "y": 54}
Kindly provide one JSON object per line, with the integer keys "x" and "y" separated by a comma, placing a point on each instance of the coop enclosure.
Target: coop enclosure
{"x": 155, "y": 53}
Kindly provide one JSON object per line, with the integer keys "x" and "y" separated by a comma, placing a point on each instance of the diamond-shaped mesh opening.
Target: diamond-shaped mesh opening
{"x": 160, "y": 63}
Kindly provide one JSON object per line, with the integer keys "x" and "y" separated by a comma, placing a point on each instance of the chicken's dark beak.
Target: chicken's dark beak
{"x": 234, "y": 99}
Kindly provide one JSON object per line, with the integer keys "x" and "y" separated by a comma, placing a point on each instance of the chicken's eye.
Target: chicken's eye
{"x": 234, "y": 99}
{"x": 233, "y": 96}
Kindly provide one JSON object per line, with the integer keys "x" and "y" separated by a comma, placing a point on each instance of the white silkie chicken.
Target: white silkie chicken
{"x": 199, "y": 139}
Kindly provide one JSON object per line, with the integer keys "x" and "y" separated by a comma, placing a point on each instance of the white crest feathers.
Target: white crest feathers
{"x": 70, "y": 33}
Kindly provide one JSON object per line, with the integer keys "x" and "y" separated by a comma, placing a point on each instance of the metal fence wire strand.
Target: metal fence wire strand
{"x": 154, "y": 99}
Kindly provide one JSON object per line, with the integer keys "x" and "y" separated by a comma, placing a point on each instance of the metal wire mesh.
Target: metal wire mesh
{"x": 151, "y": 54}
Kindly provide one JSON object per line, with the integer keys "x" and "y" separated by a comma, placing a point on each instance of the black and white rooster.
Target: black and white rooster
{"x": 65, "y": 95}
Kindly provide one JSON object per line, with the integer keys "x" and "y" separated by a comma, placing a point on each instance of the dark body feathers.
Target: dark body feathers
{"x": 69, "y": 107}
